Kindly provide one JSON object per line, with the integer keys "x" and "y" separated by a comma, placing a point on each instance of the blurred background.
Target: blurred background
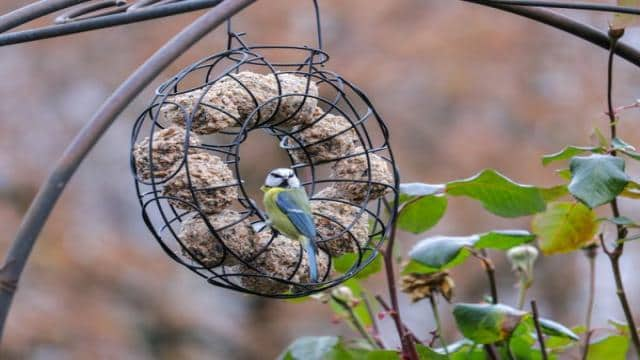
{"x": 462, "y": 88}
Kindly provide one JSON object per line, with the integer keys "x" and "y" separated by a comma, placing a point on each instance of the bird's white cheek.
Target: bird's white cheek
{"x": 272, "y": 182}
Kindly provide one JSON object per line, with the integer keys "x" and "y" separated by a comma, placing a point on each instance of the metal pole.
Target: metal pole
{"x": 33, "y": 11}
{"x": 99, "y": 22}
{"x": 49, "y": 193}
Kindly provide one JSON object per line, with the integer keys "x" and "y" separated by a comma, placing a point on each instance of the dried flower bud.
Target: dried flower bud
{"x": 422, "y": 286}
{"x": 522, "y": 258}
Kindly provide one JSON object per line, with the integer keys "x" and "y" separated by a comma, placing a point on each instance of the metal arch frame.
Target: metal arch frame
{"x": 42, "y": 205}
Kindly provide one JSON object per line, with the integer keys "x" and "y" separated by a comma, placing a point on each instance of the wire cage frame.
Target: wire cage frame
{"x": 189, "y": 180}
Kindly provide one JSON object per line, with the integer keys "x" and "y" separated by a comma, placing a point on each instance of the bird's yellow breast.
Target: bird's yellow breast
{"x": 279, "y": 220}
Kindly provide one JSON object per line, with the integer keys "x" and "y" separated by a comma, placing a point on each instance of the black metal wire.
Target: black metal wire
{"x": 165, "y": 214}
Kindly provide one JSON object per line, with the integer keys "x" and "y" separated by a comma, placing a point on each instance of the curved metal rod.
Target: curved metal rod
{"x": 33, "y": 11}
{"x": 49, "y": 193}
{"x": 104, "y": 21}
{"x": 567, "y": 24}
{"x": 573, "y": 6}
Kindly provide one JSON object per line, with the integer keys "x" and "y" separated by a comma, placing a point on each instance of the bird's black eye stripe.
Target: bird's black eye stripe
{"x": 276, "y": 175}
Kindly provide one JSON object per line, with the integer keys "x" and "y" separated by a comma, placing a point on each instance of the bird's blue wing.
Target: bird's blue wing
{"x": 295, "y": 205}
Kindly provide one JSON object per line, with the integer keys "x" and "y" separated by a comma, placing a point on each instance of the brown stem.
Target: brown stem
{"x": 408, "y": 346}
{"x": 536, "y": 322}
{"x": 621, "y": 231}
{"x": 490, "y": 269}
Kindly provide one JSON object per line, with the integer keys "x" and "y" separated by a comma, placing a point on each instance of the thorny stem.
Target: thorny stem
{"x": 436, "y": 317}
{"x": 615, "y": 254}
{"x": 408, "y": 347}
{"x": 591, "y": 252}
{"x": 536, "y": 322}
{"x": 355, "y": 321}
{"x": 388, "y": 309}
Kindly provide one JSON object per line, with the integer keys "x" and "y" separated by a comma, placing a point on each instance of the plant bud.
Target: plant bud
{"x": 522, "y": 259}
{"x": 344, "y": 294}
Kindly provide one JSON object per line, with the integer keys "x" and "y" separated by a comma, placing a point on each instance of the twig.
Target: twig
{"x": 436, "y": 317}
{"x": 536, "y": 322}
{"x": 490, "y": 269}
{"x": 388, "y": 309}
{"x": 374, "y": 323}
{"x": 615, "y": 254}
{"x": 355, "y": 321}
{"x": 408, "y": 346}
{"x": 591, "y": 252}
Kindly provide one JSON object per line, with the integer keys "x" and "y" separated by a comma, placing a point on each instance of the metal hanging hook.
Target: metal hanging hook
{"x": 236, "y": 35}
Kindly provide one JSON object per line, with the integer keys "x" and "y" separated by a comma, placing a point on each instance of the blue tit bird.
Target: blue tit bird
{"x": 287, "y": 206}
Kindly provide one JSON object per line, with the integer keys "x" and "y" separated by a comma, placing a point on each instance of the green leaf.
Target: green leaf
{"x": 625, "y": 148}
{"x": 499, "y": 194}
{"x": 621, "y": 327}
{"x": 438, "y": 253}
{"x": 311, "y": 348}
{"x": 613, "y": 347}
{"x": 503, "y": 239}
{"x": 564, "y": 173}
{"x": 621, "y": 21}
{"x": 597, "y": 179}
{"x": 486, "y": 323}
{"x": 569, "y": 152}
{"x": 620, "y": 220}
{"x": 522, "y": 343}
{"x": 420, "y": 189}
{"x": 422, "y": 213}
{"x": 632, "y": 190}
{"x": 564, "y": 227}
{"x": 463, "y": 349}
{"x": 553, "y": 328}
{"x": 619, "y": 144}
{"x": 554, "y": 192}
{"x": 348, "y": 261}
{"x": 442, "y": 252}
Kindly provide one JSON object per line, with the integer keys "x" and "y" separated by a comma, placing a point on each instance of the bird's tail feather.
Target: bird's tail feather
{"x": 312, "y": 250}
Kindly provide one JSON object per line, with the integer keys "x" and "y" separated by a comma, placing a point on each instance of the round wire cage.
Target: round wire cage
{"x": 185, "y": 157}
